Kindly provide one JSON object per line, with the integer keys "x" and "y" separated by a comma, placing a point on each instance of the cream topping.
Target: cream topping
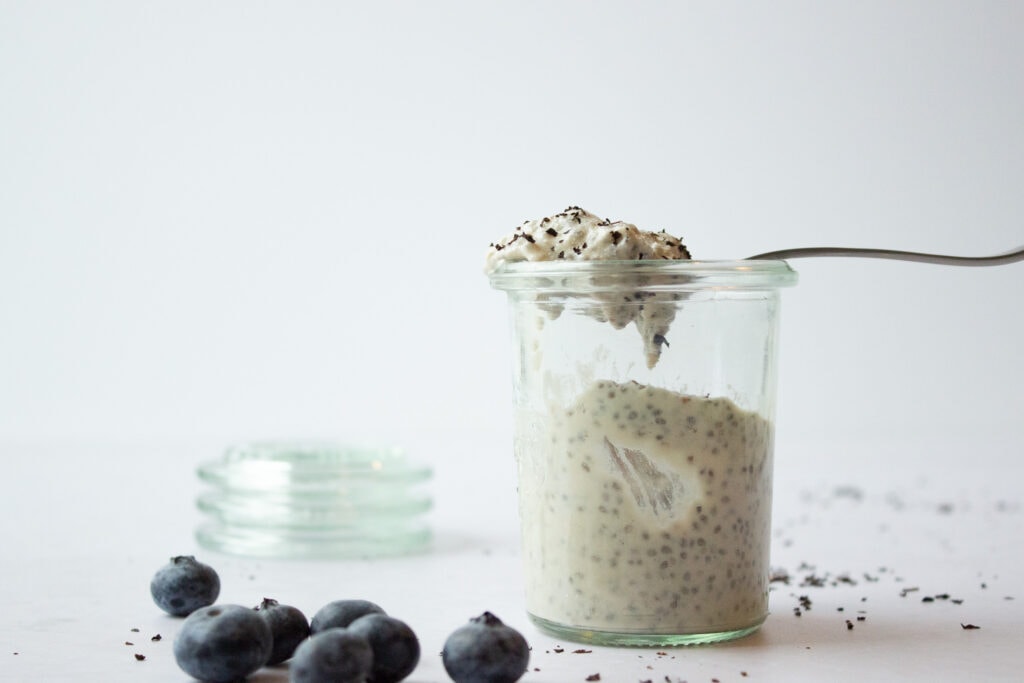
{"x": 578, "y": 235}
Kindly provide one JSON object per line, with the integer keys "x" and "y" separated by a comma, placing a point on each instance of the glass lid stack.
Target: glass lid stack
{"x": 314, "y": 499}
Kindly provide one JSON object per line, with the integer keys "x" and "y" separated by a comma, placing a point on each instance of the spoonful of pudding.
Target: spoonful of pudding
{"x": 578, "y": 235}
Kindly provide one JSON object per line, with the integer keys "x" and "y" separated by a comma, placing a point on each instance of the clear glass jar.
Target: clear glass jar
{"x": 644, "y": 396}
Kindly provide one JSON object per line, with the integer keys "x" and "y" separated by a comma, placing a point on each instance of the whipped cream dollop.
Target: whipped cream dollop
{"x": 578, "y": 235}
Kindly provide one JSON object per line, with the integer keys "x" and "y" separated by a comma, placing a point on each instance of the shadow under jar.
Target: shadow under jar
{"x": 644, "y": 398}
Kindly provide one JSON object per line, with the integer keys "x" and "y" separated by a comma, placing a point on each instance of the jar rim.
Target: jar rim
{"x": 669, "y": 273}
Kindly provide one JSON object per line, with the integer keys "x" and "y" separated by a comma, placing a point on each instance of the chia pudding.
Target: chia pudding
{"x": 644, "y": 474}
{"x": 648, "y": 511}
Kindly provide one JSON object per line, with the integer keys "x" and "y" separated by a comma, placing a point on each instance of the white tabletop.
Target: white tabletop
{"x": 911, "y": 543}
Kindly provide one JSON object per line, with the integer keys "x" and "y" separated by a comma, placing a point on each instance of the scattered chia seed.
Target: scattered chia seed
{"x": 813, "y": 581}
{"x": 139, "y": 658}
{"x": 593, "y": 677}
{"x": 969, "y": 627}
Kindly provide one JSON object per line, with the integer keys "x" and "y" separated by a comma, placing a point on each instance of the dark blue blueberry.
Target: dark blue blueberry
{"x": 341, "y": 613}
{"x": 288, "y": 626}
{"x": 223, "y": 643}
{"x": 334, "y": 655}
{"x": 485, "y": 651}
{"x": 396, "y": 650}
{"x": 184, "y": 585}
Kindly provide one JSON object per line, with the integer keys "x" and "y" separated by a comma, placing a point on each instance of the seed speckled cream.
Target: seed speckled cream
{"x": 578, "y": 235}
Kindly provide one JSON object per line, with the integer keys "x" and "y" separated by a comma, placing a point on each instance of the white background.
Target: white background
{"x": 242, "y": 220}
{"x": 245, "y": 220}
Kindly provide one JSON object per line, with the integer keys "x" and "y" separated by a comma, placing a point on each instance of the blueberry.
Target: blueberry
{"x": 396, "y": 650}
{"x": 223, "y": 643}
{"x": 288, "y": 626}
{"x": 184, "y": 585}
{"x": 341, "y": 613}
{"x": 485, "y": 651}
{"x": 334, "y": 655}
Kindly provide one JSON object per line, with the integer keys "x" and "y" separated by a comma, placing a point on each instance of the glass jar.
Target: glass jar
{"x": 644, "y": 398}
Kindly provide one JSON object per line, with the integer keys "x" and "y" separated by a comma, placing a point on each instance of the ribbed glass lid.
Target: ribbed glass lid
{"x": 295, "y": 499}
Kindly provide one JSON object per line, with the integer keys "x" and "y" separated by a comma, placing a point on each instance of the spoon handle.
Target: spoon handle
{"x": 996, "y": 260}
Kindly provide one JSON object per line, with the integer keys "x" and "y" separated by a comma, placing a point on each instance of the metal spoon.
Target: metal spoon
{"x": 996, "y": 260}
